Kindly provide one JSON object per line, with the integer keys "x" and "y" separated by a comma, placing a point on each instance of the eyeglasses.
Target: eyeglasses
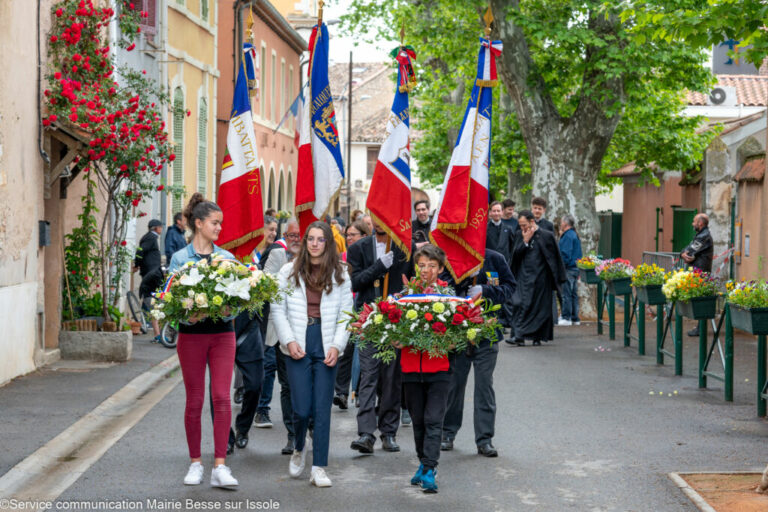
{"x": 319, "y": 240}
{"x": 291, "y": 235}
{"x": 352, "y": 233}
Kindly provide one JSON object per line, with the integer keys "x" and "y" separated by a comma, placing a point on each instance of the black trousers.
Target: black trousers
{"x": 382, "y": 381}
{"x": 253, "y": 377}
{"x": 285, "y": 393}
{"x": 344, "y": 372}
{"x": 483, "y": 357}
{"x": 426, "y": 402}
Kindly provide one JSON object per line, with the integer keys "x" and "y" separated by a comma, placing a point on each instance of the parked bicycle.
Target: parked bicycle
{"x": 140, "y": 309}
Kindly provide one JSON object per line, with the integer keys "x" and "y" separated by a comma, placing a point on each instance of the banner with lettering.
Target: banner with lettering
{"x": 240, "y": 189}
{"x": 320, "y": 171}
{"x": 389, "y": 197}
{"x": 460, "y": 223}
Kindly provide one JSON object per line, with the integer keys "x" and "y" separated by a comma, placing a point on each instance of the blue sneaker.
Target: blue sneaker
{"x": 416, "y": 480}
{"x": 429, "y": 482}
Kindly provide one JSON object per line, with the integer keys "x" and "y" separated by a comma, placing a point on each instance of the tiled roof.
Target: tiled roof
{"x": 629, "y": 170}
{"x": 753, "y": 170}
{"x": 751, "y": 90}
{"x": 373, "y": 89}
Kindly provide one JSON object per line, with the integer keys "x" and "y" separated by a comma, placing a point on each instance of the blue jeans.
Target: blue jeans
{"x": 570, "y": 309}
{"x": 270, "y": 367}
{"x": 312, "y": 384}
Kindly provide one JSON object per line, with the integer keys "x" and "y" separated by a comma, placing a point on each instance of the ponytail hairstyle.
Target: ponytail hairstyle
{"x": 198, "y": 208}
{"x": 330, "y": 264}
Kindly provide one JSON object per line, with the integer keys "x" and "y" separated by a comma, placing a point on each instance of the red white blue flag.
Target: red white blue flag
{"x": 320, "y": 171}
{"x": 459, "y": 226}
{"x": 240, "y": 190}
{"x": 389, "y": 198}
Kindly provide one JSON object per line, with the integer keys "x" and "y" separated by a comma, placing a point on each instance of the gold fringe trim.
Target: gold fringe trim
{"x": 240, "y": 241}
{"x": 390, "y": 233}
{"x": 486, "y": 83}
{"x": 469, "y": 249}
{"x": 443, "y": 225}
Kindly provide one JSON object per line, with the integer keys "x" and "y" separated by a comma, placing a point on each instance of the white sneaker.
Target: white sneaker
{"x": 221, "y": 476}
{"x": 319, "y": 478}
{"x": 194, "y": 475}
{"x": 297, "y": 462}
{"x": 563, "y": 321}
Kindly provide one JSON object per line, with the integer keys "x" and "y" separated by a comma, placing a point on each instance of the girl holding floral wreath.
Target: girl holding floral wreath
{"x": 203, "y": 342}
{"x": 308, "y": 327}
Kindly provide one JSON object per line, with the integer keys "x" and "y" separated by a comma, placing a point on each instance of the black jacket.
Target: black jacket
{"x": 499, "y": 239}
{"x": 702, "y": 249}
{"x": 551, "y": 252}
{"x": 366, "y": 271}
{"x": 545, "y": 224}
{"x": 420, "y": 231}
{"x": 148, "y": 253}
{"x": 248, "y": 335}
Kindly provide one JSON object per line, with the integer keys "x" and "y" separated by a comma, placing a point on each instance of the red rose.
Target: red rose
{"x": 428, "y": 317}
{"x": 123, "y": 243}
{"x": 171, "y": 157}
{"x": 394, "y": 315}
{"x": 73, "y": 118}
{"x": 457, "y": 319}
{"x": 439, "y": 327}
{"x": 385, "y": 306}
{"x": 130, "y": 48}
{"x": 129, "y": 193}
{"x": 54, "y": 38}
{"x": 135, "y": 202}
{"x": 160, "y": 187}
{"x": 59, "y": 12}
{"x": 57, "y": 75}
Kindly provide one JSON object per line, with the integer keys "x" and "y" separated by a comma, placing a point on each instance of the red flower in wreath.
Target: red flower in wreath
{"x": 439, "y": 327}
{"x": 457, "y": 319}
{"x": 428, "y": 317}
{"x": 394, "y": 315}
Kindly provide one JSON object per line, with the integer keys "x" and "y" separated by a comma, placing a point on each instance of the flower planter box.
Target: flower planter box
{"x": 650, "y": 295}
{"x": 754, "y": 321}
{"x": 588, "y": 276}
{"x": 621, "y": 286}
{"x": 698, "y": 308}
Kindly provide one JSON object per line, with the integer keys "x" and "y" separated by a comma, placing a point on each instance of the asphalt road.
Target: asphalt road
{"x": 577, "y": 429}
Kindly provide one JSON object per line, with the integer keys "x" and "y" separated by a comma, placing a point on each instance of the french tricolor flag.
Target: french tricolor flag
{"x": 320, "y": 171}
{"x": 459, "y": 226}
{"x": 389, "y": 198}
{"x": 240, "y": 190}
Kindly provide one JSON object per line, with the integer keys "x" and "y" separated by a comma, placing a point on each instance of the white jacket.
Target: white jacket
{"x": 289, "y": 317}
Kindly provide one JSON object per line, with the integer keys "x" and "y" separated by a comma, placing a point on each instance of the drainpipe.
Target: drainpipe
{"x": 43, "y": 154}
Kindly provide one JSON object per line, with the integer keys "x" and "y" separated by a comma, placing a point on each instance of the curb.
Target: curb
{"x": 79, "y": 433}
{"x": 694, "y": 496}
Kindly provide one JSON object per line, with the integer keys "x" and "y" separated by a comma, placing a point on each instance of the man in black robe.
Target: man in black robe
{"x": 421, "y": 224}
{"x": 539, "y": 271}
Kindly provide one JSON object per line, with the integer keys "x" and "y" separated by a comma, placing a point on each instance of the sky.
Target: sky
{"x": 340, "y": 45}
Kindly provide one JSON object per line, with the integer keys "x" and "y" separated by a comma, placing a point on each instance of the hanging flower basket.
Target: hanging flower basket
{"x": 698, "y": 308}
{"x": 621, "y": 286}
{"x": 588, "y": 276}
{"x": 650, "y": 295}
{"x": 751, "y": 320}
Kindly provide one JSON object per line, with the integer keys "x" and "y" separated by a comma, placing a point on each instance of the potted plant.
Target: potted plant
{"x": 647, "y": 281}
{"x": 617, "y": 274}
{"x": 748, "y": 301}
{"x": 586, "y": 266}
{"x": 694, "y": 291}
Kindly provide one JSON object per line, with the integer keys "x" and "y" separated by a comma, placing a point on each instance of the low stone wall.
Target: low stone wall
{"x": 96, "y": 346}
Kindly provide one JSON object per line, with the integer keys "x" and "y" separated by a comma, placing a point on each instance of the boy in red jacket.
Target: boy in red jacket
{"x": 426, "y": 381}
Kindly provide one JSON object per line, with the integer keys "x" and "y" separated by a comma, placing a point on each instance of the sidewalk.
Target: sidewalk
{"x": 39, "y": 406}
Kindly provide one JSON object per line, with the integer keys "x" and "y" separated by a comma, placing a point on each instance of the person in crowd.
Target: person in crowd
{"x": 699, "y": 252}
{"x": 270, "y": 212}
{"x": 570, "y": 251}
{"x": 270, "y": 234}
{"x": 370, "y": 263}
{"x": 357, "y": 215}
{"x": 539, "y": 209}
{"x": 174, "y": 237}
{"x": 509, "y": 216}
{"x": 538, "y": 269}
{"x": 426, "y": 384}
{"x": 148, "y": 261}
{"x": 498, "y": 235}
{"x": 249, "y": 359}
{"x": 496, "y": 284}
{"x": 203, "y": 342}
{"x": 367, "y": 219}
{"x": 347, "y": 366}
{"x": 312, "y": 332}
{"x": 338, "y": 238}
{"x": 283, "y": 251}
{"x": 422, "y": 224}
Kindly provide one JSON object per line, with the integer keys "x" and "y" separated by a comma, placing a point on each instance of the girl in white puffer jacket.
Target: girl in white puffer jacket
{"x": 311, "y": 331}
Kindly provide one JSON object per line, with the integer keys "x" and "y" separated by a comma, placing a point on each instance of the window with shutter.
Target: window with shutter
{"x": 149, "y": 24}
{"x": 178, "y": 145}
{"x": 263, "y": 83}
{"x": 283, "y": 95}
{"x": 204, "y": 9}
{"x": 273, "y": 88}
{"x": 202, "y": 147}
{"x": 290, "y": 96}
{"x": 373, "y": 157}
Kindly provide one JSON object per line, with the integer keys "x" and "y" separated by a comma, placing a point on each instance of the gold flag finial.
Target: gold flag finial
{"x": 249, "y": 23}
{"x": 488, "y": 18}
{"x": 320, "y": 5}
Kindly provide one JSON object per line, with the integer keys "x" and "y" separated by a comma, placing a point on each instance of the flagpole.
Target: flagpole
{"x": 386, "y": 276}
